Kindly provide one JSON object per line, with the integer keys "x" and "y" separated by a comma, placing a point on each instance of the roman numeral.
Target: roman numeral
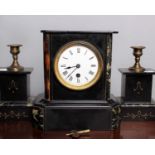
{"x": 78, "y": 50}
{"x": 65, "y": 58}
{"x": 65, "y": 73}
{"x": 71, "y": 78}
{"x": 71, "y": 53}
{"x": 91, "y": 72}
{"x": 91, "y": 58}
{"x": 86, "y": 78}
{"x": 93, "y": 65}
{"x": 85, "y": 52}
{"x": 78, "y": 80}
{"x": 63, "y": 65}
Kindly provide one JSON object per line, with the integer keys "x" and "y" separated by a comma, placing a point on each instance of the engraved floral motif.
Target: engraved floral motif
{"x": 13, "y": 114}
{"x": 139, "y": 114}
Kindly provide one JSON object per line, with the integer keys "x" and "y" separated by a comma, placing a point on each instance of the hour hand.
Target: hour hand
{"x": 77, "y": 66}
{"x": 69, "y": 67}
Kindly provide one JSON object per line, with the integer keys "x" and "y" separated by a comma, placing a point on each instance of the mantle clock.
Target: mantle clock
{"x": 77, "y": 70}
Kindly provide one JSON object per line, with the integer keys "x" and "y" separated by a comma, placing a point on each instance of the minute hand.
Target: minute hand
{"x": 72, "y": 72}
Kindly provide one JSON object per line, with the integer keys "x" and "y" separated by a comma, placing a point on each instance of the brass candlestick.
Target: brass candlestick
{"x": 14, "y": 50}
{"x": 137, "y": 52}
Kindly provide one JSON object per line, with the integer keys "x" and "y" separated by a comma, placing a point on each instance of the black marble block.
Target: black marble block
{"x": 14, "y": 86}
{"x": 137, "y": 111}
{"x": 65, "y": 115}
{"x": 15, "y": 110}
{"x": 136, "y": 87}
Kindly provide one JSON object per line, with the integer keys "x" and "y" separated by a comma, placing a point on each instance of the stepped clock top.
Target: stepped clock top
{"x": 82, "y": 31}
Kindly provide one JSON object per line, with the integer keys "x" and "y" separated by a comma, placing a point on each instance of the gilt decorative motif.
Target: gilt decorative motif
{"x": 13, "y": 114}
{"x": 13, "y": 87}
{"x": 140, "y": 114}
{"x": 138, "y": 89}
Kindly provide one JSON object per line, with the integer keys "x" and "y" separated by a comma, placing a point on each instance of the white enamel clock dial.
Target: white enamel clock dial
{"x": 78, "y": 65}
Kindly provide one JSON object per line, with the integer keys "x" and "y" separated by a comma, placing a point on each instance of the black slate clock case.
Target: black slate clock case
{"x": 63, "y": 109}
{"x": 53, "y": 41}
{"x": 95, "y": 92}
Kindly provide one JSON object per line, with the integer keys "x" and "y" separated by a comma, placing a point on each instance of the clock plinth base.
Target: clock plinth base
{"x": 58, "y": 115}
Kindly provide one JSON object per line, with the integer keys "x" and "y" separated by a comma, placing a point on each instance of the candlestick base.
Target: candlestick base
{"x": 15, "y": 68}
{"x": 137, "y": 68}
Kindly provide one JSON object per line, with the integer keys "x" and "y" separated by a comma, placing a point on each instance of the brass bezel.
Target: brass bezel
{"x": 94, "y": 80}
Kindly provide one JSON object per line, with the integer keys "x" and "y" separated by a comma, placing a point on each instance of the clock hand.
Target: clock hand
{"x": 69, "y": 67}
{"x": 77, "y": 66}
{"x": 72, "y": 72}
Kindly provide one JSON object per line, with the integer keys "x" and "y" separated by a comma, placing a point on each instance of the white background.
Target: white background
{"x": 133, "y": 30}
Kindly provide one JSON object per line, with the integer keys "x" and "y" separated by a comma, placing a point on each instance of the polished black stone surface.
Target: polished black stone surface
{"x": 14, "y": 86}
{"x": 136, "y": 87}
{"x": 67, "y": 115}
